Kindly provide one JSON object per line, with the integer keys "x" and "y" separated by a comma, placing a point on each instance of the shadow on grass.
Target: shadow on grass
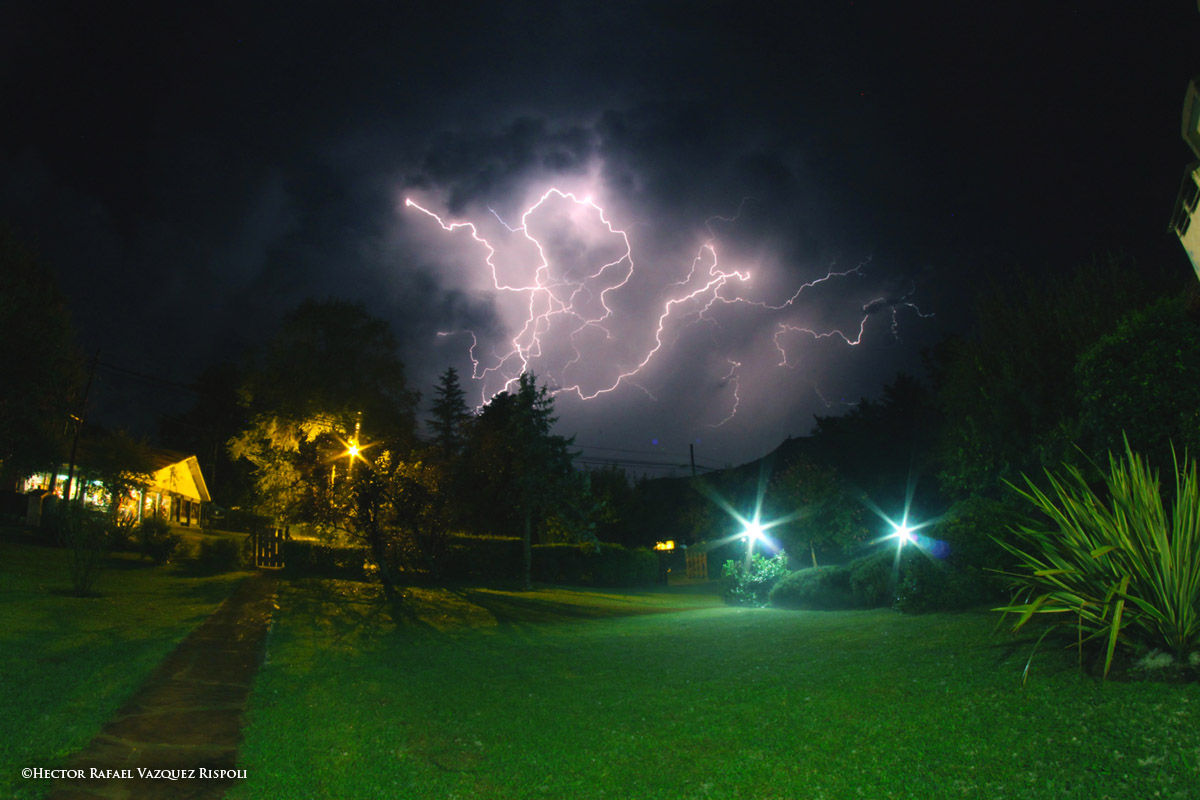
{"x": 350, "y": 609}
{"x": 127, "y": 562}
{"x": 512, "y": 610}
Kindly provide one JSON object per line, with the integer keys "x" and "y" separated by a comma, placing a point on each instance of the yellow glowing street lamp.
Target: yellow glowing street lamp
{"x": 353, "y": 451}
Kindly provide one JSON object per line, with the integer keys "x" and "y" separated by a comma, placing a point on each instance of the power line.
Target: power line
{"x": 627, "y": 450}
{"x": 130, "y": 373}
{"x": 615, "y": 462}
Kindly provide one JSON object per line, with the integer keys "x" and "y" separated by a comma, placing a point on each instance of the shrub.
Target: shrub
{"x": 560, "y": 563}
{"x": 585, "y": 564}
{"x": 956, "y": 565}
{"x": 925, "y": 584}
{"x": 224, "y": 554}
{"x": 749, "y": 582}
{"x": 157, "y": 541}
{"x": 628, "y": 566}
{"x": 83, "y": 532}
{"x": 122, "y": 534}
{"x": 590, "y": 565}
{"x": 1121, "y": 567}
{"x": 872, "y": 582}
{"x": 486, "y": 557}
{"x": 815, "y": 589}
{"x": 971, "y": 529}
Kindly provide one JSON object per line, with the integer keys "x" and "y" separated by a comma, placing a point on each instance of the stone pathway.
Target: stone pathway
{"x": 188, "y": 713}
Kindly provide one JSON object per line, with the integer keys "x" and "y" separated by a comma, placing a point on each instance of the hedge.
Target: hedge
{"x": 587, "y": 565}
{"x": 494, "y": 558}
{"x": 482, "y": 557}
{"x": 307, "y": 558}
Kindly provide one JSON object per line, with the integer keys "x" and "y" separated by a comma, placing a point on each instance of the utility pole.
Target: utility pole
{"x": 79, "y": 427}
{"x": 692, "y": 453}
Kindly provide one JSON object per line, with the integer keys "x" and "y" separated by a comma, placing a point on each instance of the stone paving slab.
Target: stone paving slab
{"x": 188, "y": 713}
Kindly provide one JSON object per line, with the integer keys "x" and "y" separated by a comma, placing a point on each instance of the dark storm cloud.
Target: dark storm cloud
{"x": 482, "y": 164}
{"x": 217, "y": 164}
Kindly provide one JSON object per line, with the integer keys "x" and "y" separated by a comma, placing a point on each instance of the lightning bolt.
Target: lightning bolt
{"x": 569, "y": 302}
{"x": 731, "y": 377}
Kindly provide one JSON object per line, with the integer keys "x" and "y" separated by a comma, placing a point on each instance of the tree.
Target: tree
{"x": 882, "y": 447}
{"x": 41, "y": 369}
{"x": 613, "y": 496}
{"x": 216, "y": 416}
{"x": 331, "y": 422}
{"x": 822, "y": 511}
{"x": 395, "y": 507}
{"x": 421, "y": 509}
{"x": 450, "y": 414}
{"x": 1008, "y": 392}
{"x": 330, "y": 374}
{"x": 122, "y": 465}
{"x": 332, "y": 359}
{"x": 1140, "y": 383}
{"x": 517, "y": 466}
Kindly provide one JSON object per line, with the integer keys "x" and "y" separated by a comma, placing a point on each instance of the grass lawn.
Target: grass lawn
{"x": 67, "y": 664}
{"x": 574, "y": 694}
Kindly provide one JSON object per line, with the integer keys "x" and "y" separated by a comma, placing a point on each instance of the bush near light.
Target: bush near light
{"x": 748, "y": 582}
{"x": 953, "y": 572}
{"x": 865, "y": 582}
{"x": 1117, "y": 567}
{"x": 961, "y": 571}
{"x": 814, "y": 589}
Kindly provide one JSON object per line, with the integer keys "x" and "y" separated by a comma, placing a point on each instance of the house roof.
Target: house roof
{"x": 171, "y": 470}
{"x": 180, "y": 474}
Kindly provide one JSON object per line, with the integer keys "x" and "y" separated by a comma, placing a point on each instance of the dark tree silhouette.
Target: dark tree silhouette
{"x": 40, "y": 372}
{"x": 517, "y": 466}
{"x": 450, "y": 414}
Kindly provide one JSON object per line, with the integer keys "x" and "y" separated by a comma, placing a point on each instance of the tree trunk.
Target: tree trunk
{"x": 527, "y": 555}
{"x": 813, "y": 550}
{"x": 379, "y": 553}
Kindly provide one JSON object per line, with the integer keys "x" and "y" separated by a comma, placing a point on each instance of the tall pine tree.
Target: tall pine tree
{"x": 450, "y": 414}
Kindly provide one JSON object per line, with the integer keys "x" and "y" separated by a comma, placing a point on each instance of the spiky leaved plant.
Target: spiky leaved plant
{"x": 1123, "y": 568}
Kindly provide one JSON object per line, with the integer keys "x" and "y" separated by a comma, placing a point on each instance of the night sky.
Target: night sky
{"x": 191, "y": 171}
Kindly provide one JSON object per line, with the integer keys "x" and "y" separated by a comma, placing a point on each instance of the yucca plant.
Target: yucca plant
{"x": 1122, "y": 569}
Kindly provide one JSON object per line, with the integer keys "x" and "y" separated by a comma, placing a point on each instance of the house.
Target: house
{"x": 174, "y": 491}
{"x": 177, "y": 489}
{"x": 1184, "y": 218}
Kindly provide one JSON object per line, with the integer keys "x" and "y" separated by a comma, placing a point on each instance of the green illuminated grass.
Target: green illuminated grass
{"x": 560, "y": 694}
{"x": 67, "y": 663}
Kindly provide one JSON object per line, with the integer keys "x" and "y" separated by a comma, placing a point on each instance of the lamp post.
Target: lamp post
{"x": 752, "y": 533}
{"x": 353, "y": 449}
